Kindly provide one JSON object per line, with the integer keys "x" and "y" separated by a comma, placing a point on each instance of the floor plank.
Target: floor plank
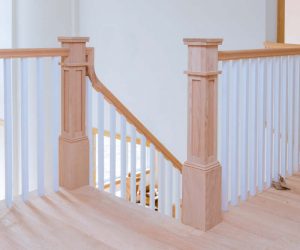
{"x": 89, "y": 219}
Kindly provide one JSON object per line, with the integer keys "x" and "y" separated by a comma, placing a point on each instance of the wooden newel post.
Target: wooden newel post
{"x": 73, "y": 141}
{"x": 201, "y": 204}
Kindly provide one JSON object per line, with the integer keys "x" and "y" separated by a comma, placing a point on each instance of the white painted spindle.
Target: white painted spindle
{"x": 244, "y": 90}
{"x": 233, "y": 129}
{"x": 100, "y": 153}
{"x": 169, "y": 191}
{"x": 112, "y": 176}
{"x": 161, "y": 183}
{"x": 8, "y": 131}
{"x": 143, "y": 171}
{"x": 133, "y": 165}
{"x": 56, "y": 120}
{"x": 152, "y": 176}
{"x": 40, "y": 126}
{"x": 24, "y": 128}
{"x": 224, "y": 139}
{"x": 296, "y": 115}
{"x": 123, "y": 156}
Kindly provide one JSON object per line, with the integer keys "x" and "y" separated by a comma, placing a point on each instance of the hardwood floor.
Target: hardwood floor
{"x": 88, "y": 219}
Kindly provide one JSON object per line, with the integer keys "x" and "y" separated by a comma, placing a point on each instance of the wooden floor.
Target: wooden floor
{"x": 88, "y": 219}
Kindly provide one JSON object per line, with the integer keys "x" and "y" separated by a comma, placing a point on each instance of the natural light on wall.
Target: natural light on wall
{"x": 292, "y": 21}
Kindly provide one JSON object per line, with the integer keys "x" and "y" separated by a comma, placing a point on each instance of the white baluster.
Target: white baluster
{"x": 112, "y": 149}
{"x": 8, "y": 131}
{"x": 283, "y": 111}
{"x": 56, "y": 119}
{"x": 89, "y": 107}
{"x": 269, "y": 125}
{"x": 152, "y": 176}
{"x": 290, "y": 107}
{"x": 24, "y": 128}
{"x": 40, "y": 127}
{"x": 233, "y": 129}
{"x": 123, "y": 157}
{"x": 161, "y": 183}
{"x": 169, "y": 191}
{"x": 143, "y": 171}
{"x": 296, "y": 115}
{"x": 224, "y": 139}
{"x": 244, "y": 98}
{"x": 252, "y": 135}
{"x": 133, "y": 165}
{"x": 177, "y": 193}
{"x": 261, "y": 125}
{"x": 276, "y": 78}
{"x": 100, "y": 158}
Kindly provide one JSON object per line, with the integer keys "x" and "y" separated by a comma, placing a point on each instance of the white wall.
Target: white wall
{"x": 292, "y": 21}
{"x": 141, "y": 58}
{"x": 271, "y": 20}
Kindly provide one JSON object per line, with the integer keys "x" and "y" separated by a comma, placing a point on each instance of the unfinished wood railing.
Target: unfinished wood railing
{"x": 138, "y": 167}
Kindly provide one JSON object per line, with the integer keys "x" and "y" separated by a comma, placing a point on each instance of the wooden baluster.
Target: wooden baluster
{"x": 8, "y": 132}
{"x": 201, "y": 174}
{"x": 24, "y": 128}
{"x": 161, "y": 183}
{"x": 73, "y": 143}
{"x": 169, "y": 190}
{"x": 40, "y": 127}
{"x": 89, "y": 128}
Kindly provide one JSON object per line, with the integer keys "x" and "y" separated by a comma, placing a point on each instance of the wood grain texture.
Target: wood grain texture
{"x": 99, "y": 86}
{"x": 73, "y": 142}
{"x": 89, "y": 219}
{"x": 201, "y": 176}
{"x": 41, "y": 52}
{"x": 272, "y": 45}
{"x": 280, "y": 21}
{"x": 256, "y": 53}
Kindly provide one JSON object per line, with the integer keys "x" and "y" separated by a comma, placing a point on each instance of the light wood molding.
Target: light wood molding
{"x": 272, "y": 45}
{"x": 1, "y": 122}
{"x": 43, "y": 52}
{"x": 257, "y": 53}
{"x": 118, "y": 137}
{"x": 280, "y": 21}
{"x": 73, "y": 142}
{"x": 99, "y": 86}
{"x": 201, "y": 175}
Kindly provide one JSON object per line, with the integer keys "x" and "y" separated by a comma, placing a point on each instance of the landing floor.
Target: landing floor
{"x": 88, "y": 219}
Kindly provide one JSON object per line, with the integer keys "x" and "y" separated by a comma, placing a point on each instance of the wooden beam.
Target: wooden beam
{"x": 281, "y": 21}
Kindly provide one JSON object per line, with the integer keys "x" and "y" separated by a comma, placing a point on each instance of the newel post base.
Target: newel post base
{"x": 73, "y": 141}
{"x": 201, "y": 205}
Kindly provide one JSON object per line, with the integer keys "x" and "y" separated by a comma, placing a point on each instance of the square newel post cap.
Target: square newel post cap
{"x": 64, "y": 39}
{"x": 202, "y": 42}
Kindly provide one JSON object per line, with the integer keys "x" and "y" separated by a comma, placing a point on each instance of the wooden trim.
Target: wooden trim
{"x": 99, "y": 86}
{"x": 272, "y": 45}
{"x": 118, "y": 137}
{"x": 43, "y": 52}
{"x": 1, "y": 122}
{"x": 280, "y": 21}
{"x": 257, "y": 53}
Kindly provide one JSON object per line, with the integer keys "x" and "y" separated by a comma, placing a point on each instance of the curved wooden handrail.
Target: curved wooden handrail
{"x": 257, "y": 53}
{"x": 99, "y": 86}
{"x": 41, "y": 52}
